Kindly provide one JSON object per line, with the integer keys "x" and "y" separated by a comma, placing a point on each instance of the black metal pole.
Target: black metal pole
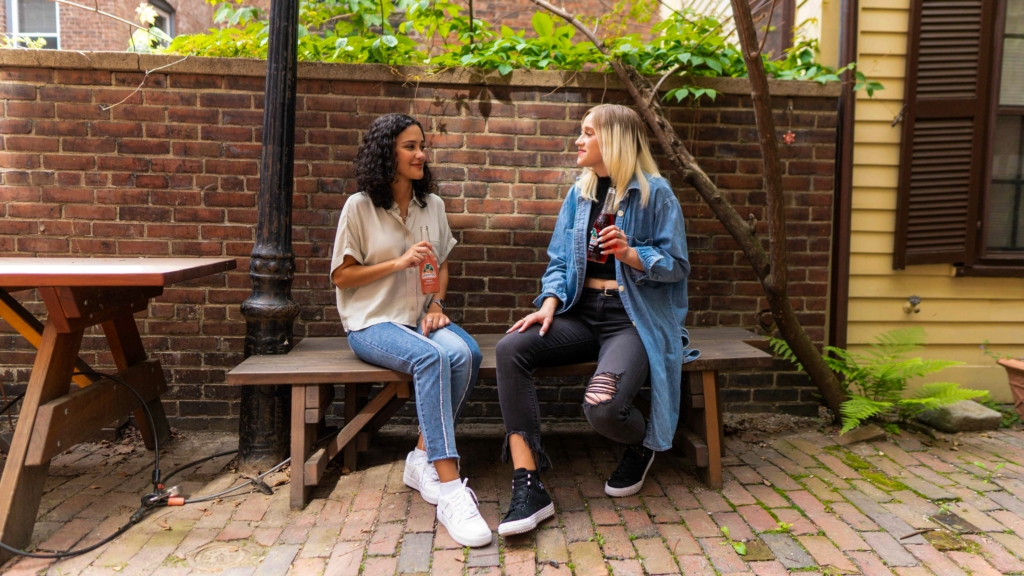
{"x": 263, "y": 432}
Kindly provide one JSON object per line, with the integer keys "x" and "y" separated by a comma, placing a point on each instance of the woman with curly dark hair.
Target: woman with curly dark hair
{"x": 392, "y": 322}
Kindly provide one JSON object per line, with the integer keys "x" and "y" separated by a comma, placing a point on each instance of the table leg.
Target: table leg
{"x": 21, "y": 487}
{"x": 126, "y": 346}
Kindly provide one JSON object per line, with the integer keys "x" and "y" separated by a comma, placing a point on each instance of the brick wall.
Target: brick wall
{"x": 173, "y": 171}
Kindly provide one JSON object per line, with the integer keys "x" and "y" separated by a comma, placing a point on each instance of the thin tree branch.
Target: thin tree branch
{"x": 141, "y": 84}
{"x": 101, "y": 13}
{"x": 654, "y": 91}
{"x": 767, "y": 27}
{"x": 776, "y": 283}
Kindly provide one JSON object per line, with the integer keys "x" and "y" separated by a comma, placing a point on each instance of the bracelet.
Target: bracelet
{"x": 439, "y": 302}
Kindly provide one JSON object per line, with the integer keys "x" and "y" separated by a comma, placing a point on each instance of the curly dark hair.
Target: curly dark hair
{"x": 375, "y": 161}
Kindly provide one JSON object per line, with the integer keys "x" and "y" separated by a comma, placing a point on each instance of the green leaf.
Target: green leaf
{"x": 504, "y": 69}
{"x": 542, "y": 24}
{"x": 740, "y": 548}
{"x": 390, "y": 40}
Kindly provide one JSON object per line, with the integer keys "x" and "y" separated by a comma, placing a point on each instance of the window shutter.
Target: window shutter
{"x": 942, "y": 168}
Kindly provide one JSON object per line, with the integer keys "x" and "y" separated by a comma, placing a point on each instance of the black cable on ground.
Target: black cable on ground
{"x": 11, "y": 403}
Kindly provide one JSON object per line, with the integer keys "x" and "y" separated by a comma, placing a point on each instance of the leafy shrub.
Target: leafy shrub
{"x": 437, "y": 33}
{"x": 876, "y": 381}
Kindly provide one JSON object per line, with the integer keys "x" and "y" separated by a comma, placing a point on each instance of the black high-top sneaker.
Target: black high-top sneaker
{"x": 530, "y": 504}
{"x": 628, "y": 478}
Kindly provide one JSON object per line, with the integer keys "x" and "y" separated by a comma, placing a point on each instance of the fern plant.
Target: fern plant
{"x": 875, "y": 381}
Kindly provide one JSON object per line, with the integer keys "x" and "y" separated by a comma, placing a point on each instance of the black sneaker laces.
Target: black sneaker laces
{"x": 520, "y": 494}
{"x": 631, "y": 467}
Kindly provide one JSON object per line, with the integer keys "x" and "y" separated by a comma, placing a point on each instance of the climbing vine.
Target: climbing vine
{"x": 439, "y": 34}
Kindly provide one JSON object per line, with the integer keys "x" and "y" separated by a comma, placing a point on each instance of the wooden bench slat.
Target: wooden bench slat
{"x": 331, "y": 361}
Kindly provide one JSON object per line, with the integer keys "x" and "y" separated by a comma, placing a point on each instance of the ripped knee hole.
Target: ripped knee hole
{"x": 602, "y": 388}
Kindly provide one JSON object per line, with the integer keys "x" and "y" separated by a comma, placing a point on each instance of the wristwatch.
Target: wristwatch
{"x": 439, "y": 302}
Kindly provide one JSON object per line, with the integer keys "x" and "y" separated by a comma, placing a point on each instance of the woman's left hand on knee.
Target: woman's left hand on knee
{"x": 434, "y": 321}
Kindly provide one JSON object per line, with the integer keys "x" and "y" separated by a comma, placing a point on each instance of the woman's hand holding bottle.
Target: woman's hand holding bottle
{"x": 414, "y": 255}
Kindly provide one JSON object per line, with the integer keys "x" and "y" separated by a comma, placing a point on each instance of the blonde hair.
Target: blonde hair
{"x": 622, "y": 137}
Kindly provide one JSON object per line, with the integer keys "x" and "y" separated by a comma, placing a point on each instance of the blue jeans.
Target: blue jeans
{"x": 444, "y": 369}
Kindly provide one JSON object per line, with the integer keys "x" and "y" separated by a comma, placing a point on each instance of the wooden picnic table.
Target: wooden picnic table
{"x": 80, "y": 293}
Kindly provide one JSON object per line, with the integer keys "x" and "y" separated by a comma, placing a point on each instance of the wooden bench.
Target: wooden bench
{"x": 316, "y": 365}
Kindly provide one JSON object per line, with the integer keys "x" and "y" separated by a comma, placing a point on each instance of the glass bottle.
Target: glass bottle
{"x": 430, "y": 283}
{"x": 605, "y": 219}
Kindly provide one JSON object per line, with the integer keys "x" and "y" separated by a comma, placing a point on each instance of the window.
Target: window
{"x": 1004, "y": 225}
{"x": 35, "y": 19}
{"x": 961, "y": 195}
{"x": 165, "y": 16}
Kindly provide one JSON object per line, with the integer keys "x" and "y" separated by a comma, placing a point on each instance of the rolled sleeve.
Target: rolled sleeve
{"x": 664, "y": 258}
{"x": 348, "y": 239}
{"x": 446, "y": 240}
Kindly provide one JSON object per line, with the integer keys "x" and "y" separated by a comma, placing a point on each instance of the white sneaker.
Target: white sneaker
{"x": 420, "y": 475}
{"x": 458, "y": 513}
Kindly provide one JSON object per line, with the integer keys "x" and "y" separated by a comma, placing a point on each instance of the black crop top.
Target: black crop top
{"x": 604, "y": 271}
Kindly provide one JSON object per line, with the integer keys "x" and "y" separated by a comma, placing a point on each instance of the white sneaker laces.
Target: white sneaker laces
{"x": 465, "y": 502}
{"x": 429, "y": 474}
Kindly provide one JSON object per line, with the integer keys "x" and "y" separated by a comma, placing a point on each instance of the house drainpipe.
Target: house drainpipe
{"x": 841, "y": 224}
{"x": 263, "y": 432}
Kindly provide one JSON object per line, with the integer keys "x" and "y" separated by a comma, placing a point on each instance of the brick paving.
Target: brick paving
{"x": 802, "y": 504}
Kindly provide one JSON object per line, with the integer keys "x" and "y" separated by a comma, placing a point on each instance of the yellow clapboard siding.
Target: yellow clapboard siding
{"x": 991, "y": 379}
{"x": 874, "y": 199}
{"x": 885, "y": 4}
{"x": 883, "y": 20}
{"x": 876, "y": 154}
{"x": 893, "y": 91}
{"x": 883, "y": 67}
{"x": 901, "y": 286}
{"x": 947, "y": 333}
{"x": 881, "y": 265}
{"x": 870, "y": 243}
{"x": 936, "y": 310}
{"x": 877, "y": 110}
{"x": 875, "y": 176}
{"x": 882, "y": 43}
{"x": 873, "y": 221}
{"x": 876, "y": 133}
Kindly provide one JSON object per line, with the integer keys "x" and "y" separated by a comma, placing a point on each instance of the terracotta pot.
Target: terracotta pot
{"x": 1015, "y": 370}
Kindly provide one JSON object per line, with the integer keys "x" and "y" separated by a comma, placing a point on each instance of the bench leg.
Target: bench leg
{"x": 350, "y": 453}
{"x": 712, "y": 431}
{"x": 303, "y": 436}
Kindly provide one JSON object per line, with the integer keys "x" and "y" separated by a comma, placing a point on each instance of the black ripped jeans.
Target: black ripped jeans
{"x": 596, "y": 328}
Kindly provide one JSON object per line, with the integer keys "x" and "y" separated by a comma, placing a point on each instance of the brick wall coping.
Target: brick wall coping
{"x": 130, "y": 62}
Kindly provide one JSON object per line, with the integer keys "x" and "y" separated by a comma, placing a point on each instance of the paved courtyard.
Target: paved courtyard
{"x": 799, "y": 503}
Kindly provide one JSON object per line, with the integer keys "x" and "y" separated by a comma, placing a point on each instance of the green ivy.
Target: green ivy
{"x": 438, "y": 34}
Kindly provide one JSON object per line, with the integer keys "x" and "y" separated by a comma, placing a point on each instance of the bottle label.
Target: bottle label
{"x": 428, "y": 271}
{"x": 594, "y": 238}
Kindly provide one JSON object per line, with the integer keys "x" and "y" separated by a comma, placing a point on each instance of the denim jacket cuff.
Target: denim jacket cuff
{"x": 539, "y": 300}
{"x": 648, "y": 257}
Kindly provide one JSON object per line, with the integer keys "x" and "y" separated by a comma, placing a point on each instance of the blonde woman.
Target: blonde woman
{"x": 626, "y": 312}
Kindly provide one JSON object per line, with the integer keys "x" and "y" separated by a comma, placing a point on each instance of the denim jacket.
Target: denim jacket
{"x": 654, "y": 298}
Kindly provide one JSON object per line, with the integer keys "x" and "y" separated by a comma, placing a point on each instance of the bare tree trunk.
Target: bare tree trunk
{"x": 771, "y": 272}
{"x": 776, "y": 283}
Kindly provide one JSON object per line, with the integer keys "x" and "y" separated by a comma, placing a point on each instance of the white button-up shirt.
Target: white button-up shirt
{"x": 374, "y": 235}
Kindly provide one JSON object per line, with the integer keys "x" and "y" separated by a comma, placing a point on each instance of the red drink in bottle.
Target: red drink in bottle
{"x": 605, "y": 219}
{"x": 429, "y": 281}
